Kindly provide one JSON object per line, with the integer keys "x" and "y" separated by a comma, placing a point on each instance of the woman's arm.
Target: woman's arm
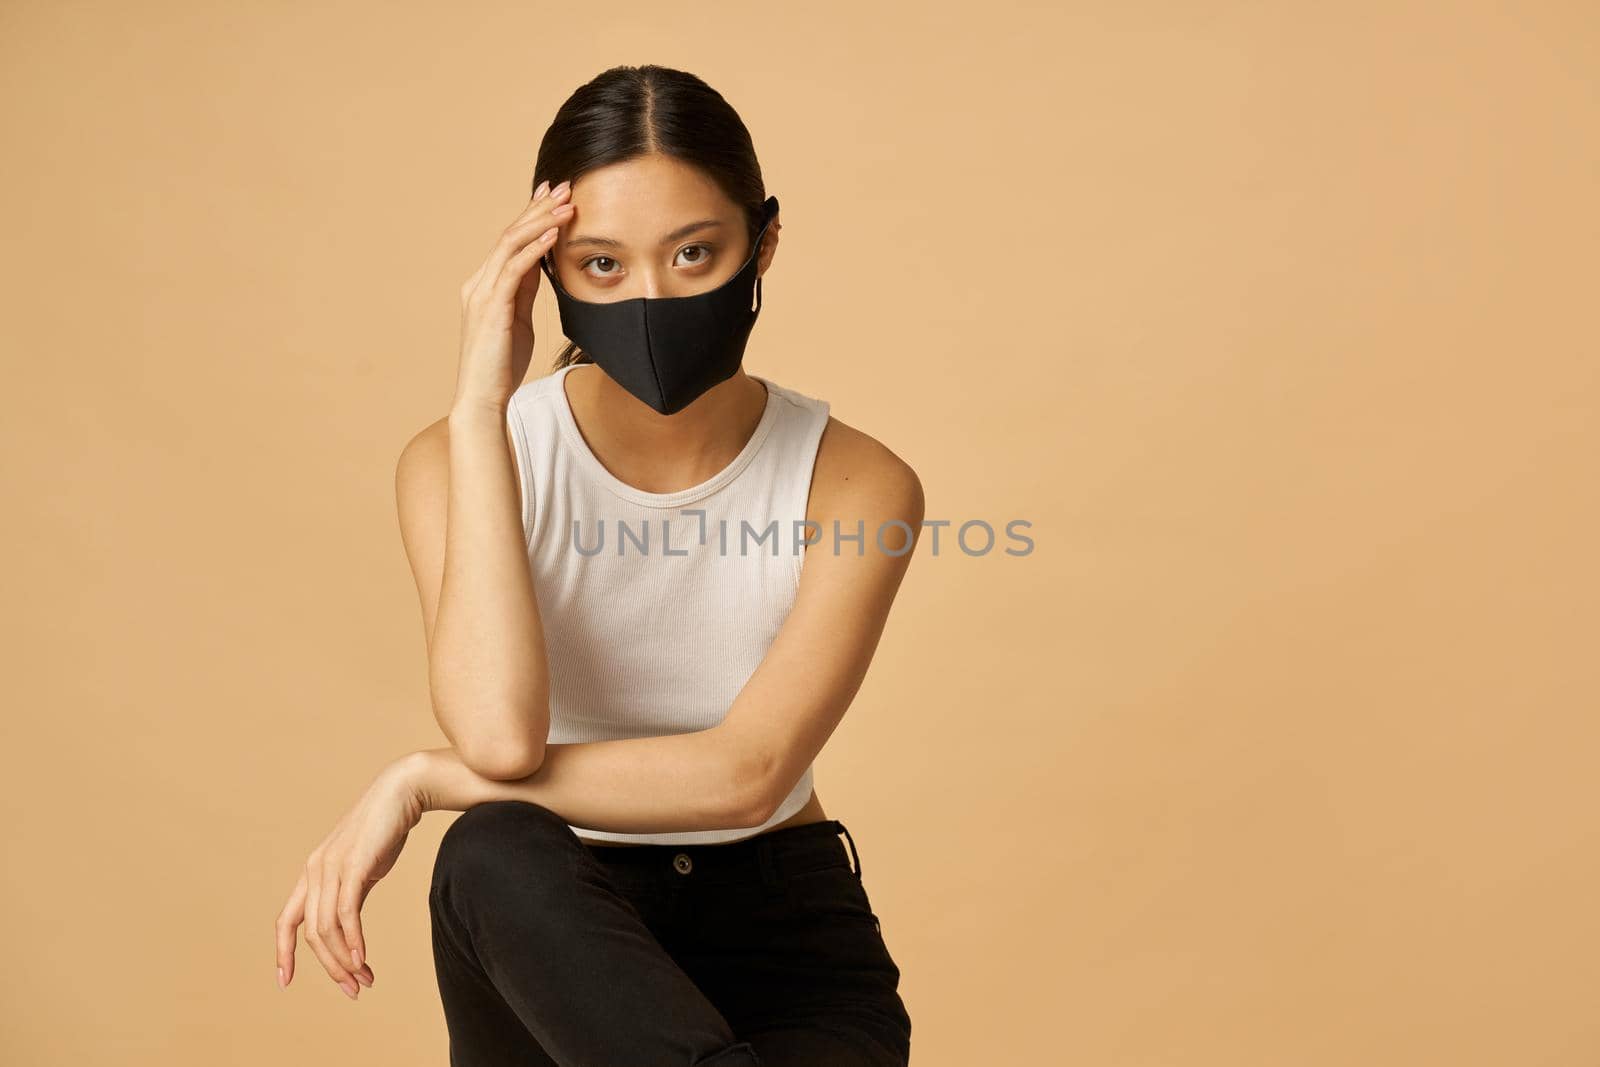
{"x": 638, "y": 785}
{"x": 735, "y": 774}
{"x": 461, "y": 522}
{"x": 460, "y": 517}
{"x": 809, "y": 676}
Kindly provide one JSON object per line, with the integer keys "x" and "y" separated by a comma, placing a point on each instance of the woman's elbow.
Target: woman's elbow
{"x": 749, "y": 791}
{"x": 501, "y": 760}
{"x": 504, "y": 741}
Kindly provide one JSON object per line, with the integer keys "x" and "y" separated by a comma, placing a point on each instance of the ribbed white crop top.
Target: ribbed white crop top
{"x": 655, "y": 615}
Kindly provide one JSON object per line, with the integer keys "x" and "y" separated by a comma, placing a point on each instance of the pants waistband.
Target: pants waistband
{"x": 772, "y": 854}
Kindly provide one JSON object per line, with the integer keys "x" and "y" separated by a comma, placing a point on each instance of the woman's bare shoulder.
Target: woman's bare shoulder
{"x": 424, "y": 463}
{"x": 856, "y": 471}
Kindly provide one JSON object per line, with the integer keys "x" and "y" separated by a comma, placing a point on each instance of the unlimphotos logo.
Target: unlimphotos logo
{"x": 974, "y": 537}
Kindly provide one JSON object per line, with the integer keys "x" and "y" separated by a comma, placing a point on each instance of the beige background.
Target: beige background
{"x": 1271, "y": 318}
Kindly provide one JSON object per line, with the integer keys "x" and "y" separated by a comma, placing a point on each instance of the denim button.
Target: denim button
{"x": 682, "y": 862}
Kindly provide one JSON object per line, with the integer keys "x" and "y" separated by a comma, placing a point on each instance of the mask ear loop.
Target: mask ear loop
{"x": 755, "y": 293}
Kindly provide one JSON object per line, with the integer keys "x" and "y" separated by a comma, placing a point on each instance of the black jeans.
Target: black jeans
{"x": 763, "y": 952}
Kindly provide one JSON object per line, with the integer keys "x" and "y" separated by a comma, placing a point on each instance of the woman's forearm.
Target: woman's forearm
{"x": 694, "y": 781}
{"x": 487, "y": 668}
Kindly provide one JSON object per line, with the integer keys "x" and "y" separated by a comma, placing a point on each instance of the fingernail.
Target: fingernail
{"x": 280, "y": 977}
{"x": 542, "y": 187}
{"x": 563, "y": 187}
{"x": 355, "y": 956}
{"x": 349, "y": 990}
{"x": 363, "y": 978}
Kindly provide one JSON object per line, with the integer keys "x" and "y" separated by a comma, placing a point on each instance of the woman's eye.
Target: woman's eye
{"x": 702, "y": 252}
{"x": 607, "y": 267}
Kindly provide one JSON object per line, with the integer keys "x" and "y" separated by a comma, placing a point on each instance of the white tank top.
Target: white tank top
{"x": 650, "y": 627}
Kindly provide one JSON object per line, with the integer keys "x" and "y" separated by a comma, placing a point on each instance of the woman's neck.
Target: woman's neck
{"x": 664, "y": 453}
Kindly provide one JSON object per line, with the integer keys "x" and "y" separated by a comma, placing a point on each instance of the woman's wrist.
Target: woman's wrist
{"x": 489, "y": 409}
{"x": 439, "y": 781}
{"x": 408, "y": 777}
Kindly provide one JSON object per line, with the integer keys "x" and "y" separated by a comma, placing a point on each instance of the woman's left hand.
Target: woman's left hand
{"x": 341, "y": 871}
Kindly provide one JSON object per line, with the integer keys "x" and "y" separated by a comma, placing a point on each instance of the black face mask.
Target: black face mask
{"x": 668, "y": 350}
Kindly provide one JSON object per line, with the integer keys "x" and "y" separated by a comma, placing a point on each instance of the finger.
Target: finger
{"x": 533, "y": 218}
{"x": 539, "y": 194}
{"x": 328, "y": 918}
{"x": 314, "y": 937}
{"x": 349, "y": 910}
{"x": 553, "y": 209}
{"x": 552, "y": 214}
{"x": 336, "y": 927}
{"x": 544, "y": 192}
{"x": 287, "y": 924}
{"x": 511, "y": 243}
{"x": 520, "y": 276}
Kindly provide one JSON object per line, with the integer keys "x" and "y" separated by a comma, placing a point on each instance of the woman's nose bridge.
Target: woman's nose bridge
{"x": 655, "y": 283}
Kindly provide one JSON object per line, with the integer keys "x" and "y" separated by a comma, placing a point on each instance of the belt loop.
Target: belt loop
{"x": 839, "y": 827}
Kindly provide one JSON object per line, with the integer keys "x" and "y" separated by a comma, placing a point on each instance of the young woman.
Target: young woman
{"x": 651, "y": 585}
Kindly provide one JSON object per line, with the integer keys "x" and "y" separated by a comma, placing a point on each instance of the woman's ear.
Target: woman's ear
{"x": 769, "y": 245}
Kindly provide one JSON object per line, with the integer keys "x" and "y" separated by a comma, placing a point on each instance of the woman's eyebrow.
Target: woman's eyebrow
{"x": 676, "y": 235}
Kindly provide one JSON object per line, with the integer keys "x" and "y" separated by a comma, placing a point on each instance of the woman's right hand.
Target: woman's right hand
{"x": 497, "y": 303}
{"x": 362, "y": 847}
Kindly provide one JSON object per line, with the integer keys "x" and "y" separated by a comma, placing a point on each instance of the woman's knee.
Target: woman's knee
{"x": 499, "y": 839}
